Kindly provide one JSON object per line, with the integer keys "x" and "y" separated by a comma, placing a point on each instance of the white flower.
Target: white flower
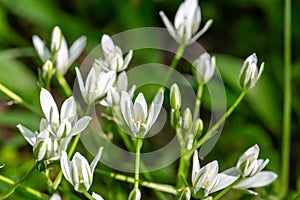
{"x": 114, "y": 94}
{"x": 64, "y": 57}
{"x": 187, "y": 22}
{"x": 97, "y": 84}
{"x": 137, "y": 116}
{"x": 250, "y": 167}
{"x": 249, "y": 164}
{"x": 135, "y": 194}
{"x": 66, "y": 122}
{"x": 113, "y": 56}
{"x": 207, "y": 180}
{"x": 204, "y": 68}
{"x": 249, "y": 74}
{"x": 78, "y": 171}
{"x": 97, "y": 196}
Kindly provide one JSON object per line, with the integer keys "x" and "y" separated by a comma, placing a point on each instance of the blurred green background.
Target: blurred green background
{"x": 239, "y": 29}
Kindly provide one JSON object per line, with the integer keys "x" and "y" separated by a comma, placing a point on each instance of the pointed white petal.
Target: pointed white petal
{"x": 68, "y": 110}
{"x": 76, "y": 49}
{"x": 49, "y": 106}
{"x": 169, "y": 27}
{"x": 40, "y": 47}
{"x": 66, "y": 167}
{"x": 96, "y": 159}
{"x": 56, "y": 39}
{"x": 142, "y": 108}
{"x": 28, "y": 134}
{"x": 201, "y": 32}
{"x": 62, "y": 58}
{"x": 259, "y": 180}
{"x": 223, "y": 180}
{"x": 196, "y": 167}
{"x": 80, "y": 125}
{"x": 107, "y": 44}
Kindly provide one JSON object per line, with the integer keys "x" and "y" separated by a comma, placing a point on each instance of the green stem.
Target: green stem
{"x": 225, "y": 190}
{"x": 181, "y": 177}
{"x": 19, "y": 100}
{"x": 64, "y": 85}
{"x": 137, "y": 162}
{"x": 86, "y": 194}
{"x": 220, "y": 122}
{"x": 198, "y": 101}
{"x": 17, "y": 184}
{"x": 156, "y": 186}
{"x": 29, "y": 190}
{"x": 287, "y": 107}
{"x": 175, "y": 61}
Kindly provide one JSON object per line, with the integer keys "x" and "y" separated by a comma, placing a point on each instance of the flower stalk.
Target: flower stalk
{"x": 287, "y": 105}
{"x": 137, "y": 162}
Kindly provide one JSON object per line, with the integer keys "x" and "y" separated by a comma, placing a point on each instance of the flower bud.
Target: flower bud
{"x": 186, "y": 194}
{"x": 135, "y": 194}
{"x": 175, "y": 97}
{"x": 45, "y": 148}
{"x": 204, "y": 68}
{"x": 187, "y": 119}
{"x": 175, "y": 118}
{"x": 197, "y": 127}
{"x": 249, "y": 73}
{"x": 56, "y": 39}
{"x": 48, "y": 70}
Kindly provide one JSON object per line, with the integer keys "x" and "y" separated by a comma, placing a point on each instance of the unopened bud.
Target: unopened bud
{"x": 175, "y": 118}
{"x": 249, "y": 74}
{"x": 56, "y": 39}
{"x": 187, "y": 119}
{"x": 204, "y": 68}
{"x": 198, "y": 127}
{"x": 175, "y": 97}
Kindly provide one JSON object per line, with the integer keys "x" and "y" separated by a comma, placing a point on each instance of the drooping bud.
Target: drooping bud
{"x": 175, "y": 97}
{"x": 48, "y": 70}
{"x": 249, "y": 74}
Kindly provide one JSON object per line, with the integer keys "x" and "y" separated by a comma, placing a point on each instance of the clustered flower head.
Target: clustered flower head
{"x": 56, "y": 129}
{"x": 186, "y": 23}
{"x": 113, "y": 56}
{"x": 63, "y": 56}
{"x": 247, "y": 174}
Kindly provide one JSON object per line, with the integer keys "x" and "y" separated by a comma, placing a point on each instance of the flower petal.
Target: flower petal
{"x": 80, "y": 125}
{"x": 66, "y": 167}
{"x": 170, "y": 27}
{"x": 28, "y": 134}
{"x": 68, "y": 110}
{"x": 261, "y": 179}
{"x": 40, "y": 47}
{"x": 62, "y": 58}
{"x": 76, "y": 49}
{"x": 96, "y": 160}
{"x": 49, "y": 106}
{"x": 97, "y": 196}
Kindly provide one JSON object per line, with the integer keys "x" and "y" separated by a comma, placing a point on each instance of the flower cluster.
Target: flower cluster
{"x": 56, "y": 129}
{"x": 247, "y": 174}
